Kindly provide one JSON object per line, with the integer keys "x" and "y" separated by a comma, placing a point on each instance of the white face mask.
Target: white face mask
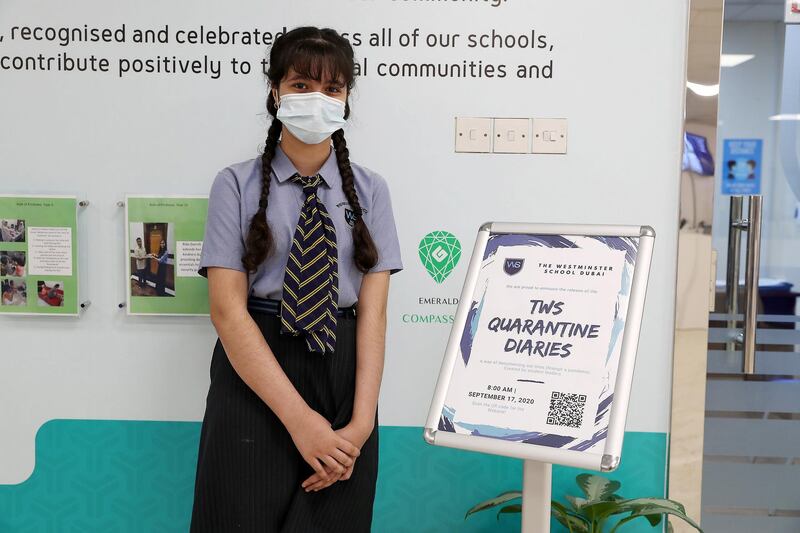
{"x": 311, "y": 117}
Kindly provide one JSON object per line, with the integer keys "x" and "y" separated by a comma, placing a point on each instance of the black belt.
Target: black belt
{"x": 273, "y": 307}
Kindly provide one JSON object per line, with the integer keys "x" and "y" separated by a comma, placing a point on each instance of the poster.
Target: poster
{"x": 38, "y": 255}
{"x": 538, "y": 357}
{"x": 741, "y": 166}
{"x": 163, "y": 239}
{"x": 792, "y": 15}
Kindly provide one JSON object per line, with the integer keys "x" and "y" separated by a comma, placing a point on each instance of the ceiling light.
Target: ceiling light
{"x": 703, "y": 90}
{"x": 786, "y": 116}
{"x": 732, "y": 60}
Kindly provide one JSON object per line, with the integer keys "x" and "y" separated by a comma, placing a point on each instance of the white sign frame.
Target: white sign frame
{"x": 610, "y": 457}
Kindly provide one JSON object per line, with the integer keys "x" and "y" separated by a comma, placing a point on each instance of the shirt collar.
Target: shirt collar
{"x": 284, "y": 169}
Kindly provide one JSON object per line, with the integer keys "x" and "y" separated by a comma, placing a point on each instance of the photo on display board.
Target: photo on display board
{"x": 12, "y": 263}
{"x": 50, "y": 293}
{"x": 163, "y": 241}
{"x": 152, "y": 259}
{"x": 14, "y": 292}
{"x": 12, "y": 230}
{"x": 38, "y": 246}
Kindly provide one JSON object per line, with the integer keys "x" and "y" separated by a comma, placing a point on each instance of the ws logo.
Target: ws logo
{"x": 512, "y": 266}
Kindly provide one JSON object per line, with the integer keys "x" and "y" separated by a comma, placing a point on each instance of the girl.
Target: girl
{"x": 298, "y": 250}
{"x": 161, "y": 273}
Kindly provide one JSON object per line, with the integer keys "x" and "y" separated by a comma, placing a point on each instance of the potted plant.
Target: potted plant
{"x": 594, "y": 510}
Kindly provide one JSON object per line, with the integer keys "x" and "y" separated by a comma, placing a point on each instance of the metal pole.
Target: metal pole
{"x": 751, "y": 283}
{"x": 537, "y": 481}
{"x": 732, "y": 275}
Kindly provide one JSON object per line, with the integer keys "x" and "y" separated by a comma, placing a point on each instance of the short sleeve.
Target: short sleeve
{"x": 223, "y": 244}
{"x": 383, "y": 230}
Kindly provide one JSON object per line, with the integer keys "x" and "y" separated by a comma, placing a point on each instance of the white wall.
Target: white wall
{"x": 619, "y": 79}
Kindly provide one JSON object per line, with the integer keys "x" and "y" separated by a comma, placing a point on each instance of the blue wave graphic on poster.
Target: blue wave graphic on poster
{"x": 446, "y": 420}
{"x": 596, "y": 439}
{"x": 547, "y": 241}
{"x": 602, "y": 408}
{"x": 470, "y": 328}
{"x": 491, "y": 431}
{"x": 446, "y": 424}
{"x": 629, "y": 245}
{"x": 624, "y": 292}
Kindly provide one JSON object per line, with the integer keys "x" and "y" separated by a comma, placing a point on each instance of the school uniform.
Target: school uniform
{"x": 249, "y": 472}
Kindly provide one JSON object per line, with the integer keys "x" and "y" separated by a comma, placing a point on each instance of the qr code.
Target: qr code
{"x": 566, "y": 409}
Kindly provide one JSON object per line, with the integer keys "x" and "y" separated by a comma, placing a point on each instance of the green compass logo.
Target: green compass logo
{"x": 439, "y": 252}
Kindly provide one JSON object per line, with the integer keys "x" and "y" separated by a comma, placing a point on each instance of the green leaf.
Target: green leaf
{"x": 669, "y": 508}
{"x": 513, "y": 508}
{"x": 494, "y": 502}
{"x": 600, "y": 510}
{"x": 597, "y": 487}
{"x": 654, "y": 519}
{"x": 570, "y": 519}
{"x": 636, "y": 503}
{"x": 576, "y": 502}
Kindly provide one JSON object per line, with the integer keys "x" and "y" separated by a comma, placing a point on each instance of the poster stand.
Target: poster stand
{"x": 476, "y": 406}
{"x": 537, "y": 480}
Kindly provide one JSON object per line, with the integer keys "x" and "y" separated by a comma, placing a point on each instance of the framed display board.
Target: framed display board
{"x": 163, "y": 241}
{"x": 541, "y": 354}
{"x": 39, "y": 255}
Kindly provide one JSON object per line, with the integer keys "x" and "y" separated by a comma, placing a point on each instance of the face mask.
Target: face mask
{"x": 311, "y": 117}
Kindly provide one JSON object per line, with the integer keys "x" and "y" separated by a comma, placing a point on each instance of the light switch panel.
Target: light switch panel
{"x": 549, "y": 136}
{"x": 473, "y": 135}
{"x": 511, "y": 136}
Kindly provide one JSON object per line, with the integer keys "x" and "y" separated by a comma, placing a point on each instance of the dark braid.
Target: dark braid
{"x": 365, "y": 254}
{"x": 259, "y": 237}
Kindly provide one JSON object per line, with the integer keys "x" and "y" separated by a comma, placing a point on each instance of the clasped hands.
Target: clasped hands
{"x": 331, "y": 453}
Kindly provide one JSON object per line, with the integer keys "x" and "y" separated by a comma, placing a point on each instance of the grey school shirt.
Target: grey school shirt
{"x": 233, "y": 201}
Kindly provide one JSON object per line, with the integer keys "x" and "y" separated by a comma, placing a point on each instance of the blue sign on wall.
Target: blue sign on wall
{"x": 741, "y": 166}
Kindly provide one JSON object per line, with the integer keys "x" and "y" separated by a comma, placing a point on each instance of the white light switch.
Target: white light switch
{"x": 473, "y": 135}
{"x": 549, "y": 136}
{"x": 512, "y": 136}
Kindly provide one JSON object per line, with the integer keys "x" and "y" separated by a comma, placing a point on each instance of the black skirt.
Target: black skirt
{"x": 248, "y": 469}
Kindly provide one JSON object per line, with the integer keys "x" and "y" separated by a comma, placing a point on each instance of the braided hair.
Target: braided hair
{"x": 311, "y": 52}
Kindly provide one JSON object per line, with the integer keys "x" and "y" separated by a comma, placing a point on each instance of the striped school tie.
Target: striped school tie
{"x": 310, "y": 283}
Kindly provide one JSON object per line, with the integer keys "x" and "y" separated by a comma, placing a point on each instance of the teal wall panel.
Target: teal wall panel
{"x": 137, "y": 476}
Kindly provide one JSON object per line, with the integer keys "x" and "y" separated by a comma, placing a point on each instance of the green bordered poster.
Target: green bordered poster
{"x": 163, "y": 241}
{"x": 38, "y": 255}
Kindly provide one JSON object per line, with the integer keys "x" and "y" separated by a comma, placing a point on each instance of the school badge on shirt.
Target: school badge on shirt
{"x": 349, "y": 215}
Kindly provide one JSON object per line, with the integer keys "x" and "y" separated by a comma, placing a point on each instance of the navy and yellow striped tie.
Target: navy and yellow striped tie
{"x": 310, "y": 284}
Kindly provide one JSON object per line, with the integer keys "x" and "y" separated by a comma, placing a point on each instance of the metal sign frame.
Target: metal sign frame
{"x": 610, "y": 457}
